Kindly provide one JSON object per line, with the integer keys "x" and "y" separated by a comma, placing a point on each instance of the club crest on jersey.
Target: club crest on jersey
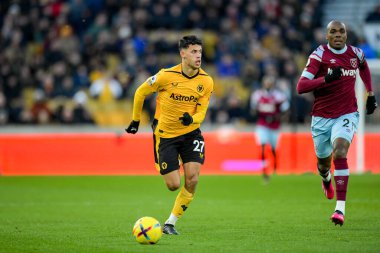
{"x": 354, "y": 62}
{"x": 200, "y": 88}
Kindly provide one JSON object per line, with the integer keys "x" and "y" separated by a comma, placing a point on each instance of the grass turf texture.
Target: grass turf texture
{"x": 228, "y": 214}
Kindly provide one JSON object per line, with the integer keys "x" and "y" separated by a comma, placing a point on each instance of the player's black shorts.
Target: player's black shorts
{"x": 190, "y": 147}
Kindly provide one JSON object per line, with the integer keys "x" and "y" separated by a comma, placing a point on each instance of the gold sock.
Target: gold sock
{"x": 182, "y": 202}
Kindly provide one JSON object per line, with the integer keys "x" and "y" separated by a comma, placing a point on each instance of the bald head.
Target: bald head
{"x": 335, "y": 22}
{"x": 336, "y": 34}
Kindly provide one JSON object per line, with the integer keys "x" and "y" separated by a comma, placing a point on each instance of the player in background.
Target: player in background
{"x": 330, "y": 73}
{"x": 268, "y": 104}
{"x": 184, "y": 93}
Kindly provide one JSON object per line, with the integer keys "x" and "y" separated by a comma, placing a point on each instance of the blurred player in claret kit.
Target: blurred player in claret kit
{"x": 330, "y": 73}
{"x": 184, "y": 93}
{"x": 268, "y": 104}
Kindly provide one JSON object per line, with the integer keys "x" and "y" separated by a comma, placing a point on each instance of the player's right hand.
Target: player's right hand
{"x": 333, "y": 74}
{"x": 133, "y": 127}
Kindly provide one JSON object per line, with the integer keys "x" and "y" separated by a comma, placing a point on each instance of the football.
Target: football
{"x": 147, "y": 230}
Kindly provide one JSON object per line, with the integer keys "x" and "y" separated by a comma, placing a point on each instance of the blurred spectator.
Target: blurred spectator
{"x": 3, "y": 110}
{"x": 59, "y": 49}
{"x": 368, "y": 50}
{"x": 41, "y": 113}
{"x": 374, "y": 16}
{"x": 106, "y": 89}
{"x": 228, "y": 66}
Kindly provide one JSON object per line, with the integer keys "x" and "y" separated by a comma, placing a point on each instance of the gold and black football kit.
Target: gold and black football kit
{"x": 177, "y": 94}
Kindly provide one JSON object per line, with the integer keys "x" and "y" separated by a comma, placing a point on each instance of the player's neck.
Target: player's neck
{"x": 337, "y": 51}
{"x": 188, "y": 71}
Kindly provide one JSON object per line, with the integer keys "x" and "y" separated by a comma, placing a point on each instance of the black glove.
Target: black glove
{"x": 371, "y": 104}
{"x": 333, "y": 74}
{"x": 133, "y": 127}
{"x": 186, "y": 119}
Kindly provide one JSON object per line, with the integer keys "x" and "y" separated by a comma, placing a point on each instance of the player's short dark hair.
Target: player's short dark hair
{"x": 186, "y": 41}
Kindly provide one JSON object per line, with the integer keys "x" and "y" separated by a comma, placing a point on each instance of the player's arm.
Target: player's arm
{"x": 305, "y": 84}
{"x": 199, "y": 115}
{"x": 142, "y": 92}
{"x": 365, "y": 75}
{"x": 202, "y": 106}
{"x": 308, "y": 82}
{"x": 200, "y": 112}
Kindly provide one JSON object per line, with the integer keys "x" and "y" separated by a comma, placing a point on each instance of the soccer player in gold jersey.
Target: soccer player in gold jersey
{"x": 184, "y": 93}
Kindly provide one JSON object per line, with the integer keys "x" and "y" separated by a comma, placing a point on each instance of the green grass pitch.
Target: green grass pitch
{"x": 228, "y": 214}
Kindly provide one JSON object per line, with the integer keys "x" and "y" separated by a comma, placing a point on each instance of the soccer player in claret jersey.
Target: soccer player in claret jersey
{"x": 184, "y": 93}
{"x": 268, "y": 104}
{"x": 330, "y": 73}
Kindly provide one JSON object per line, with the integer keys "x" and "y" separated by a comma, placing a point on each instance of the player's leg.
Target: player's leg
{"x": 262, "y": 134}
{"x": 342, "y": 134}
{"x": 192, "y": 153}
{"x": 169, "y": 169}
{"x": 186, "y": 195}
{"x": 173, "y": 182}
{"x": 166, "y": 157}
{"x": 321, "y": 132}
{"x": 264, "y": 164}
{"x": 341, "y": 176}
{"x": 274, "y": 134}
{"x": 324, "y": 165}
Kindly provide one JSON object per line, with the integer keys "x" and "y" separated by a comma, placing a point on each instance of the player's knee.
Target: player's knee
{"x": 323, "y": 168}
{"x": 172, "y": 186}
{"x": 191, "y": 182}
{"x": 340, "y": 152}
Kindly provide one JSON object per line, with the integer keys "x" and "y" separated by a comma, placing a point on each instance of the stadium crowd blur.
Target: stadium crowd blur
{"x": 80, "y": 61}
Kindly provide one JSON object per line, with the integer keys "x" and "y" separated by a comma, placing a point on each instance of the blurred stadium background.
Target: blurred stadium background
{"x": 73, "y": 66}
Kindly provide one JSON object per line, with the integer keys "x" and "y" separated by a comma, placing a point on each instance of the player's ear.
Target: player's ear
{"x": 182, "y": 53}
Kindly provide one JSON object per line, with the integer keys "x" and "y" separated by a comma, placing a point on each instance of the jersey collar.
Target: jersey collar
{"x": 189, "y": 77}
{"x": 341, "y": 51}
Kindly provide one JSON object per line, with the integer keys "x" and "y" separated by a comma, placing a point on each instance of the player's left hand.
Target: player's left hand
{"x": 186, "y": 119}
{"x": 133, "y": 127}
{"x": 371, "y": 104}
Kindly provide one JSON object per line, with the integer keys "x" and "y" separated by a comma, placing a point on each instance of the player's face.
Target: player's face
{"x": 337, "y": 35}
{"x": 192, "y": 56}
{"x": 267, "y": 84}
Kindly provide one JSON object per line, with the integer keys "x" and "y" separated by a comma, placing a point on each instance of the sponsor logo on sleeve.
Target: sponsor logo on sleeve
{"x": 152, "y": 80}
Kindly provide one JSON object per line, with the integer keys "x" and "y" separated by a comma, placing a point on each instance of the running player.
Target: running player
{"x": 330, "y": 73}
{"x": 184, "y": 93}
